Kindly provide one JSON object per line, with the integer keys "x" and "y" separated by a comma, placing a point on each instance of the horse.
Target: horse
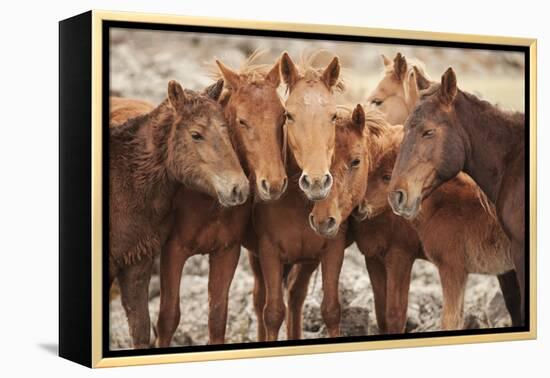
{"x": 405, "y": 81}
{"x": 397, "y": 93}
{"x": 283, "y": 233}
{"x": 350, "y": 167}
{"x": 451, "y": 131}
{"x": 310, "y": 118}
{"x": 355, "y": 131}
{"x": 255, "y": 116}
{"x": 456, "y": 230}
{"x": 152, "y": 152}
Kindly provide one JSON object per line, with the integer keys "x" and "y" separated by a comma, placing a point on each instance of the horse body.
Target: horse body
{"x": 283, "y": 235}
{"x": 457, "y": 230}
{"x": 152, "y": 152}
{"x": 255, "y": 114}
{"x": 452, "y": 131}
{"x": 390, "y": 246}
{"x": 286, "y": 242}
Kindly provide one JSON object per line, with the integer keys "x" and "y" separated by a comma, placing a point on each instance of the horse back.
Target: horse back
{"x": 122, "y": 109}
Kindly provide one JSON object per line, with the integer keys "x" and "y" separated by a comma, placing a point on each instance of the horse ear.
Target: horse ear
{"x": 288, "y": 69}
{"x": 358, "y": 118}
{"x": 448, "y": 88}
{"x": 385, "y": 60}
{"x": 231, "y": 77}
{"x": 176, "y": 95}
{"x": 274, "y": 76}
{"x": 400, "y": 66}
{"x": 331, "y": 73}
{"x": 422, "y": 81}
{"x": 214, "y": 90}
{"x": 412, "y": 94}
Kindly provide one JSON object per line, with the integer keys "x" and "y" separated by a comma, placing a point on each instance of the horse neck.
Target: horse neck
{"x": 228, "y": 111}
{"x": 490, "y": 137}
{"x": 145, "y": 138}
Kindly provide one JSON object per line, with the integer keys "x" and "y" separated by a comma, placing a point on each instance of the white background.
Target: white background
{"x": 29, "y": 186}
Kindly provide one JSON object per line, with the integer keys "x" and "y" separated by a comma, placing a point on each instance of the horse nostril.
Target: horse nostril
{"x": 398, "y": 197}
{"x": 264, "y": 185}
{"x": 311, "y": 221}
{"x": 285, "y": 183}
{"x": 331, "y": 222}
{"x": 327, "y": 181}
{"x": 235, "y": 193}
{"x": 304, "y": 182}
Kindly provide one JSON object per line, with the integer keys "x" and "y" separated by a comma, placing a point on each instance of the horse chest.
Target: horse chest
{"x": 208, "y": 228}
{"x": 374, "y": 237}
{"x": 284, "y": 225}
{"x": 302, "y": 246}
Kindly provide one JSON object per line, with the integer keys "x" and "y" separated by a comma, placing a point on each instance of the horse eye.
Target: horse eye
{"x": 196, "y": 136}
{"x": 386, "y": 177}
{"x": 289, "y": 117}
{"x": 377, "y": 102}
{"x": 243, "y": 123}
{"x": 334, "y": 117}
{"x": 428, "y": 133}
{"x": 355, "y": 163}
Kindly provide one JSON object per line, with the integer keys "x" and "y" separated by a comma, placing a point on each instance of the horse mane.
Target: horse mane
{"x": 486, "y": 205}
{"x": 514, "y": 118}
{"x": 249, "y": 69}
{"x": 311, "y": 72}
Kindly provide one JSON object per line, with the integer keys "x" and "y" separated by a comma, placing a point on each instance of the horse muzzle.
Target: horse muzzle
{"x": 403, "y": 205}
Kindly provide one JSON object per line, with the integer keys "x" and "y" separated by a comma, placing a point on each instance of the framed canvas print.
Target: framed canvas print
{"x": 235, "y": 189}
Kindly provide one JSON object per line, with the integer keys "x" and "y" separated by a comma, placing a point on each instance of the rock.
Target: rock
{"x": 355, "y": 321}
{"x": 497, "y": 312}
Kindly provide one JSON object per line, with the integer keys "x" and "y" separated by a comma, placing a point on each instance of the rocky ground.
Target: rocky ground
{"x": 142, "y": 63}
{"x": 484, "y": 305}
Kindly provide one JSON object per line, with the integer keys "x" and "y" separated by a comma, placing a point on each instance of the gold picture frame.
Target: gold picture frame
{"x": 96, "y": 20}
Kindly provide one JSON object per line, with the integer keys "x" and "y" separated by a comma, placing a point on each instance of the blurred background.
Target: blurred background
{"x": 142, "y": 62}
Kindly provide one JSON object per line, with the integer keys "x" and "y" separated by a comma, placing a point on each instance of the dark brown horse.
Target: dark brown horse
{"x": 456, "y": 230}
{"x": 452, "y": 131}
{"x": 152, "y": 152}
{"x": 284, "y": 236}
{"x": 255, "y": 115}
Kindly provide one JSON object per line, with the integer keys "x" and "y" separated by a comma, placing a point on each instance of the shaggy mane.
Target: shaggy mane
{"x": 250, "y": 69}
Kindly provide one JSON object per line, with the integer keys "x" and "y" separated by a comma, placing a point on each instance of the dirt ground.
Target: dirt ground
{"x": 142, "y": 63}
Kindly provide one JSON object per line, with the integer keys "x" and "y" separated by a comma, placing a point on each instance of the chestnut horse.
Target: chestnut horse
{"x": 255, "y": 115}
{"x": 151, "y": 152}
{"x": 458, "y": 232}
{"x": 355, "y": 136}
{"x": 284, "y": 236}
{"x": 452, "y": 131}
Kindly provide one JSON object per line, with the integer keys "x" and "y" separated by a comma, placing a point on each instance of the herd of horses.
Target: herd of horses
{"x": 298, "y": 180}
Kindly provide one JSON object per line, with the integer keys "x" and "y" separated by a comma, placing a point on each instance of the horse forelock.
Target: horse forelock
{"x": 249, "y": 70}
{"x": 311, "y": 71}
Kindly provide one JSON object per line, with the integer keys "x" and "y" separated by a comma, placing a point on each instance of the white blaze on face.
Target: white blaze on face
{"x": 311, "y": 98}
